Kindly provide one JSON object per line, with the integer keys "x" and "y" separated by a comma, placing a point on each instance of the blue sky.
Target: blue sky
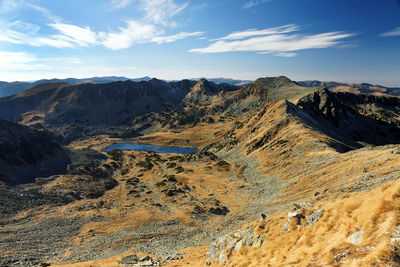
{"x": 341, "y": 40}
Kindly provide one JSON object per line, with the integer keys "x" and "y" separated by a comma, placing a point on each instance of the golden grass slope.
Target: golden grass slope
{"x": 374, "y": 214}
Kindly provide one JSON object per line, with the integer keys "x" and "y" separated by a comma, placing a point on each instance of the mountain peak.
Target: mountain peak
{"x": 276, "y": 82}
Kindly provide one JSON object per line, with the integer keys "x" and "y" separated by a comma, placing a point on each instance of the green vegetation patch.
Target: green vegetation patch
{"x": 171, "y": 165}
{"x": 124, "y": 171}
{"x": 116, "y": 154}
{"x": 147, "y": 165}
{"x": 179, "y": 169}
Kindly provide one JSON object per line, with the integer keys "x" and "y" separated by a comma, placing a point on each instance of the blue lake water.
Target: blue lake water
{"x": 158, "y": 149}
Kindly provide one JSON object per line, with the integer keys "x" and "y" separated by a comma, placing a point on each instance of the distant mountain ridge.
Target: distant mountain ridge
{"x": 11, "y": 88}
{"x": 113, "y": 103}
{"x": 227, "y": 80}
{"x": 361, "y": 88}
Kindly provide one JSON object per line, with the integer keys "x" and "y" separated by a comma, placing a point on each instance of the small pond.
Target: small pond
{"x": 158, "y": 149}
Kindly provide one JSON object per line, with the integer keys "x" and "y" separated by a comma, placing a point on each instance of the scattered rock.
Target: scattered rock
{"x": 285, "y": 228}
{"x": 129, "y": 260}
{"x": 219, "y": 210}
{"x": 313, "y": 218}
{"x": 298, "y": 214}
{"x": 341, "y": 255}
{"x": 145, "y": 258}
{"x": 220, "y": 249}
{"x": 355, "y": 238}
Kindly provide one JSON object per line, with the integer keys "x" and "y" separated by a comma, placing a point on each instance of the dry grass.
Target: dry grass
{"x": 375, "y": 213}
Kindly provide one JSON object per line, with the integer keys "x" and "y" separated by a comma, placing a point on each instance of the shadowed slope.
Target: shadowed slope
{"x": 26, "y": 154}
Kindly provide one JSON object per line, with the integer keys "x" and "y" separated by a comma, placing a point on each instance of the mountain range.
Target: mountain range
{"x": 360, "y": 88}
{"x": 10, "y": 88}
{"x": 279, "y": 163}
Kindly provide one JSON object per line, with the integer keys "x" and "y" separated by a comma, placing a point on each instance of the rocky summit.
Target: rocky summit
{"x": 285, "y": 174}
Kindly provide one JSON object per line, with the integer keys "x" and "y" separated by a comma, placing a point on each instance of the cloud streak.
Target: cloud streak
{"x": 394, "y": 32}
{"x": 135, "y": 32}
{"x": 175, "y": 37}
{"x": 161, "y": 11}
{"x": 253, "y": 3}
{"x": 119, "y": 4}
{"x": 279, "y": 40}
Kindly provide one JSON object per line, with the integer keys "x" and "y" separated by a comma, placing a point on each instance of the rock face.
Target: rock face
{"x": 26, "y": 153}
{"x": 313, "y": 218}
{"x": 224, "y": 246}
{"x": 352, "y": 119}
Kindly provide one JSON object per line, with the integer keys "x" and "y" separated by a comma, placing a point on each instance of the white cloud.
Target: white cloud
{"x": 161, "y": 11}
{"x": 253, "y": 3}
{"x": 158, "y": 15}
{"x": 285, "y": 54}
{"x": 58, "y": 41}
{"x": 9, "y": 5}
{"x": 136, "y": 32}
{"x": 16, "y": 57}
{"x": 278, "y": 40}
{"x": 30, "y": 37}
{"x": 75, "y": 34}
{"x": 23, "y": 63}
{"x": 25, "y": 27}
{"x": 269, "y": 31}
{"x": 173, "y": 38}
{"x": 394, "y": 32}
{"x": 118, "y": 4}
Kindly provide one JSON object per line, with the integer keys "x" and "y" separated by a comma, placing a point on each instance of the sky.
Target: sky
{"x": 329, "y": 40}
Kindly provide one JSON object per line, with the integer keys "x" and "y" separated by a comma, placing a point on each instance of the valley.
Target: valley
{"x": 283, "y": 175}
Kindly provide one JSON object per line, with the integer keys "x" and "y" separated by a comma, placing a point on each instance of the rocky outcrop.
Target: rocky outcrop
{"x": 221, "y": 249}
{"x": 354, "y": 120}
{"x": 134, "y": 260}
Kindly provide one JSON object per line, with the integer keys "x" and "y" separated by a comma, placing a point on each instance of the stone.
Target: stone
{"x": 145, "y": 258}
{"x": 129, "y": 260}
{"x": 212, "y": 252}
{"x": 258, "y": 241}
{"x": 146, "y": 263}
{"x": 314, "y": 216}
{"x": 238, "y": 245}
{"x": 230, "y": 242}
{"x": 292, "y": 214}
{"x": 355, "y": 238}
{"x": 285, "y": 228}
{"x": 222, "y": 257}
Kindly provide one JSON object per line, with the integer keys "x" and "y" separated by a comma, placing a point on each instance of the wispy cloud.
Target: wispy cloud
{"x": 269, "y": 31}
{"x": 9, "y": 5}
{"x": 15, "y": 65}
{"x": 279, "y": 40}
{"x": 75, "y": 34}
{"x": 158, "y": 14}
{"x": 161, "y": 11}
{"x": 253, "y": 3}
{"x": 175, "y": 37}
{"x": 118, "y": 4}
{"x": 16, "y": 57}
{"x": 135, "y": 32}
{"x": 285, "y": 54}
{"x": 394, "y": 32}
